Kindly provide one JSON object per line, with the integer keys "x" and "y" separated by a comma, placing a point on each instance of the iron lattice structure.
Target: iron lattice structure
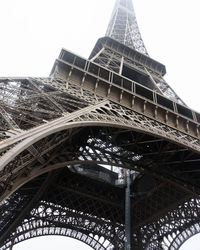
{"x": 123, "y": 26}
{"x": 58, "y": 133}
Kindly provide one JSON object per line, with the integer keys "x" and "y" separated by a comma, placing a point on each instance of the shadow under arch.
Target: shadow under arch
{"x": 42, "y": 214}
{"x": 119, "y": 127}
{"x": 137, "y": 124}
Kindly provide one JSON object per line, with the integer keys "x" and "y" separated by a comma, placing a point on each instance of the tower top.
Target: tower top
{"x": 123, "y": 26}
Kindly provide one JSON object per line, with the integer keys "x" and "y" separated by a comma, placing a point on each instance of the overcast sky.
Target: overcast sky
{"x": 33, "y": 32}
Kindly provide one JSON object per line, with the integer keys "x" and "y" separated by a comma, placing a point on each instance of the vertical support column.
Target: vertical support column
{"x": 128, "y": 212}
{"x": 121, "y": 65}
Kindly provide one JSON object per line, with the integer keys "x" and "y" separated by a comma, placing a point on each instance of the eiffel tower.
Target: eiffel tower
{"x": 102, "y": 151}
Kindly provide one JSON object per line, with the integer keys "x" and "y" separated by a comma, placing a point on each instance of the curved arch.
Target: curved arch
{"x": 57, "y": 231}
{"x": 57, "y": 166}
{"x": 46, "y": 219}
{"x": 46, "y": 131}
{"x": 21, "y": 146}
{"x": 52, "y": 168}
{"x": 185, "y": 235}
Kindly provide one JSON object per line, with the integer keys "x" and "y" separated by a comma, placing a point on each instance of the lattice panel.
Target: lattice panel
{"x": 123, "y": 26}
{"x": 93, "y": 131}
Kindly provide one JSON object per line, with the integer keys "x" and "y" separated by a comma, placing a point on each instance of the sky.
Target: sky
{"x": 33, "y": 32}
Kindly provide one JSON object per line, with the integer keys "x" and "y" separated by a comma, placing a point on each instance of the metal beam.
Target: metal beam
{"x": 128, "y": 211}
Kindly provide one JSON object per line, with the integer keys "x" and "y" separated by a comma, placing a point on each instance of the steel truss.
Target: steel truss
{"x": 112, "y": 58}
{"x": 123, "y": 26}
{"x": 47, "y": 194}
{"x": 66, "y": 142}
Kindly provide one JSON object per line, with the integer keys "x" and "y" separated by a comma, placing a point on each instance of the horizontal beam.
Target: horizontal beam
{"x": 143, "y": 100}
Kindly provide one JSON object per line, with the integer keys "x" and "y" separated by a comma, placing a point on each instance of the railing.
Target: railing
{"x": 124, "y": 83}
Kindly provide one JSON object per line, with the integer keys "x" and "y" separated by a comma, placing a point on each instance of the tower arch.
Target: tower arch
{"x": 114, "y": 109}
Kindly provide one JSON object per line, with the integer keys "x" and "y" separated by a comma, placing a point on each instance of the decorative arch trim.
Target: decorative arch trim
{"x": 38, "y": 135}
{"x": 55, "y": 231}
{"x": 184, "y": 236}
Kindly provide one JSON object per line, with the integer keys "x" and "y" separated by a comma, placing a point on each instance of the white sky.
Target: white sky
{"x": 33, "y": 32}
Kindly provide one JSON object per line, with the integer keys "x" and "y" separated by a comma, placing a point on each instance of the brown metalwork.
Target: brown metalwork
{"x": 165, "y": 171}
{"x": 65, "y": 142}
